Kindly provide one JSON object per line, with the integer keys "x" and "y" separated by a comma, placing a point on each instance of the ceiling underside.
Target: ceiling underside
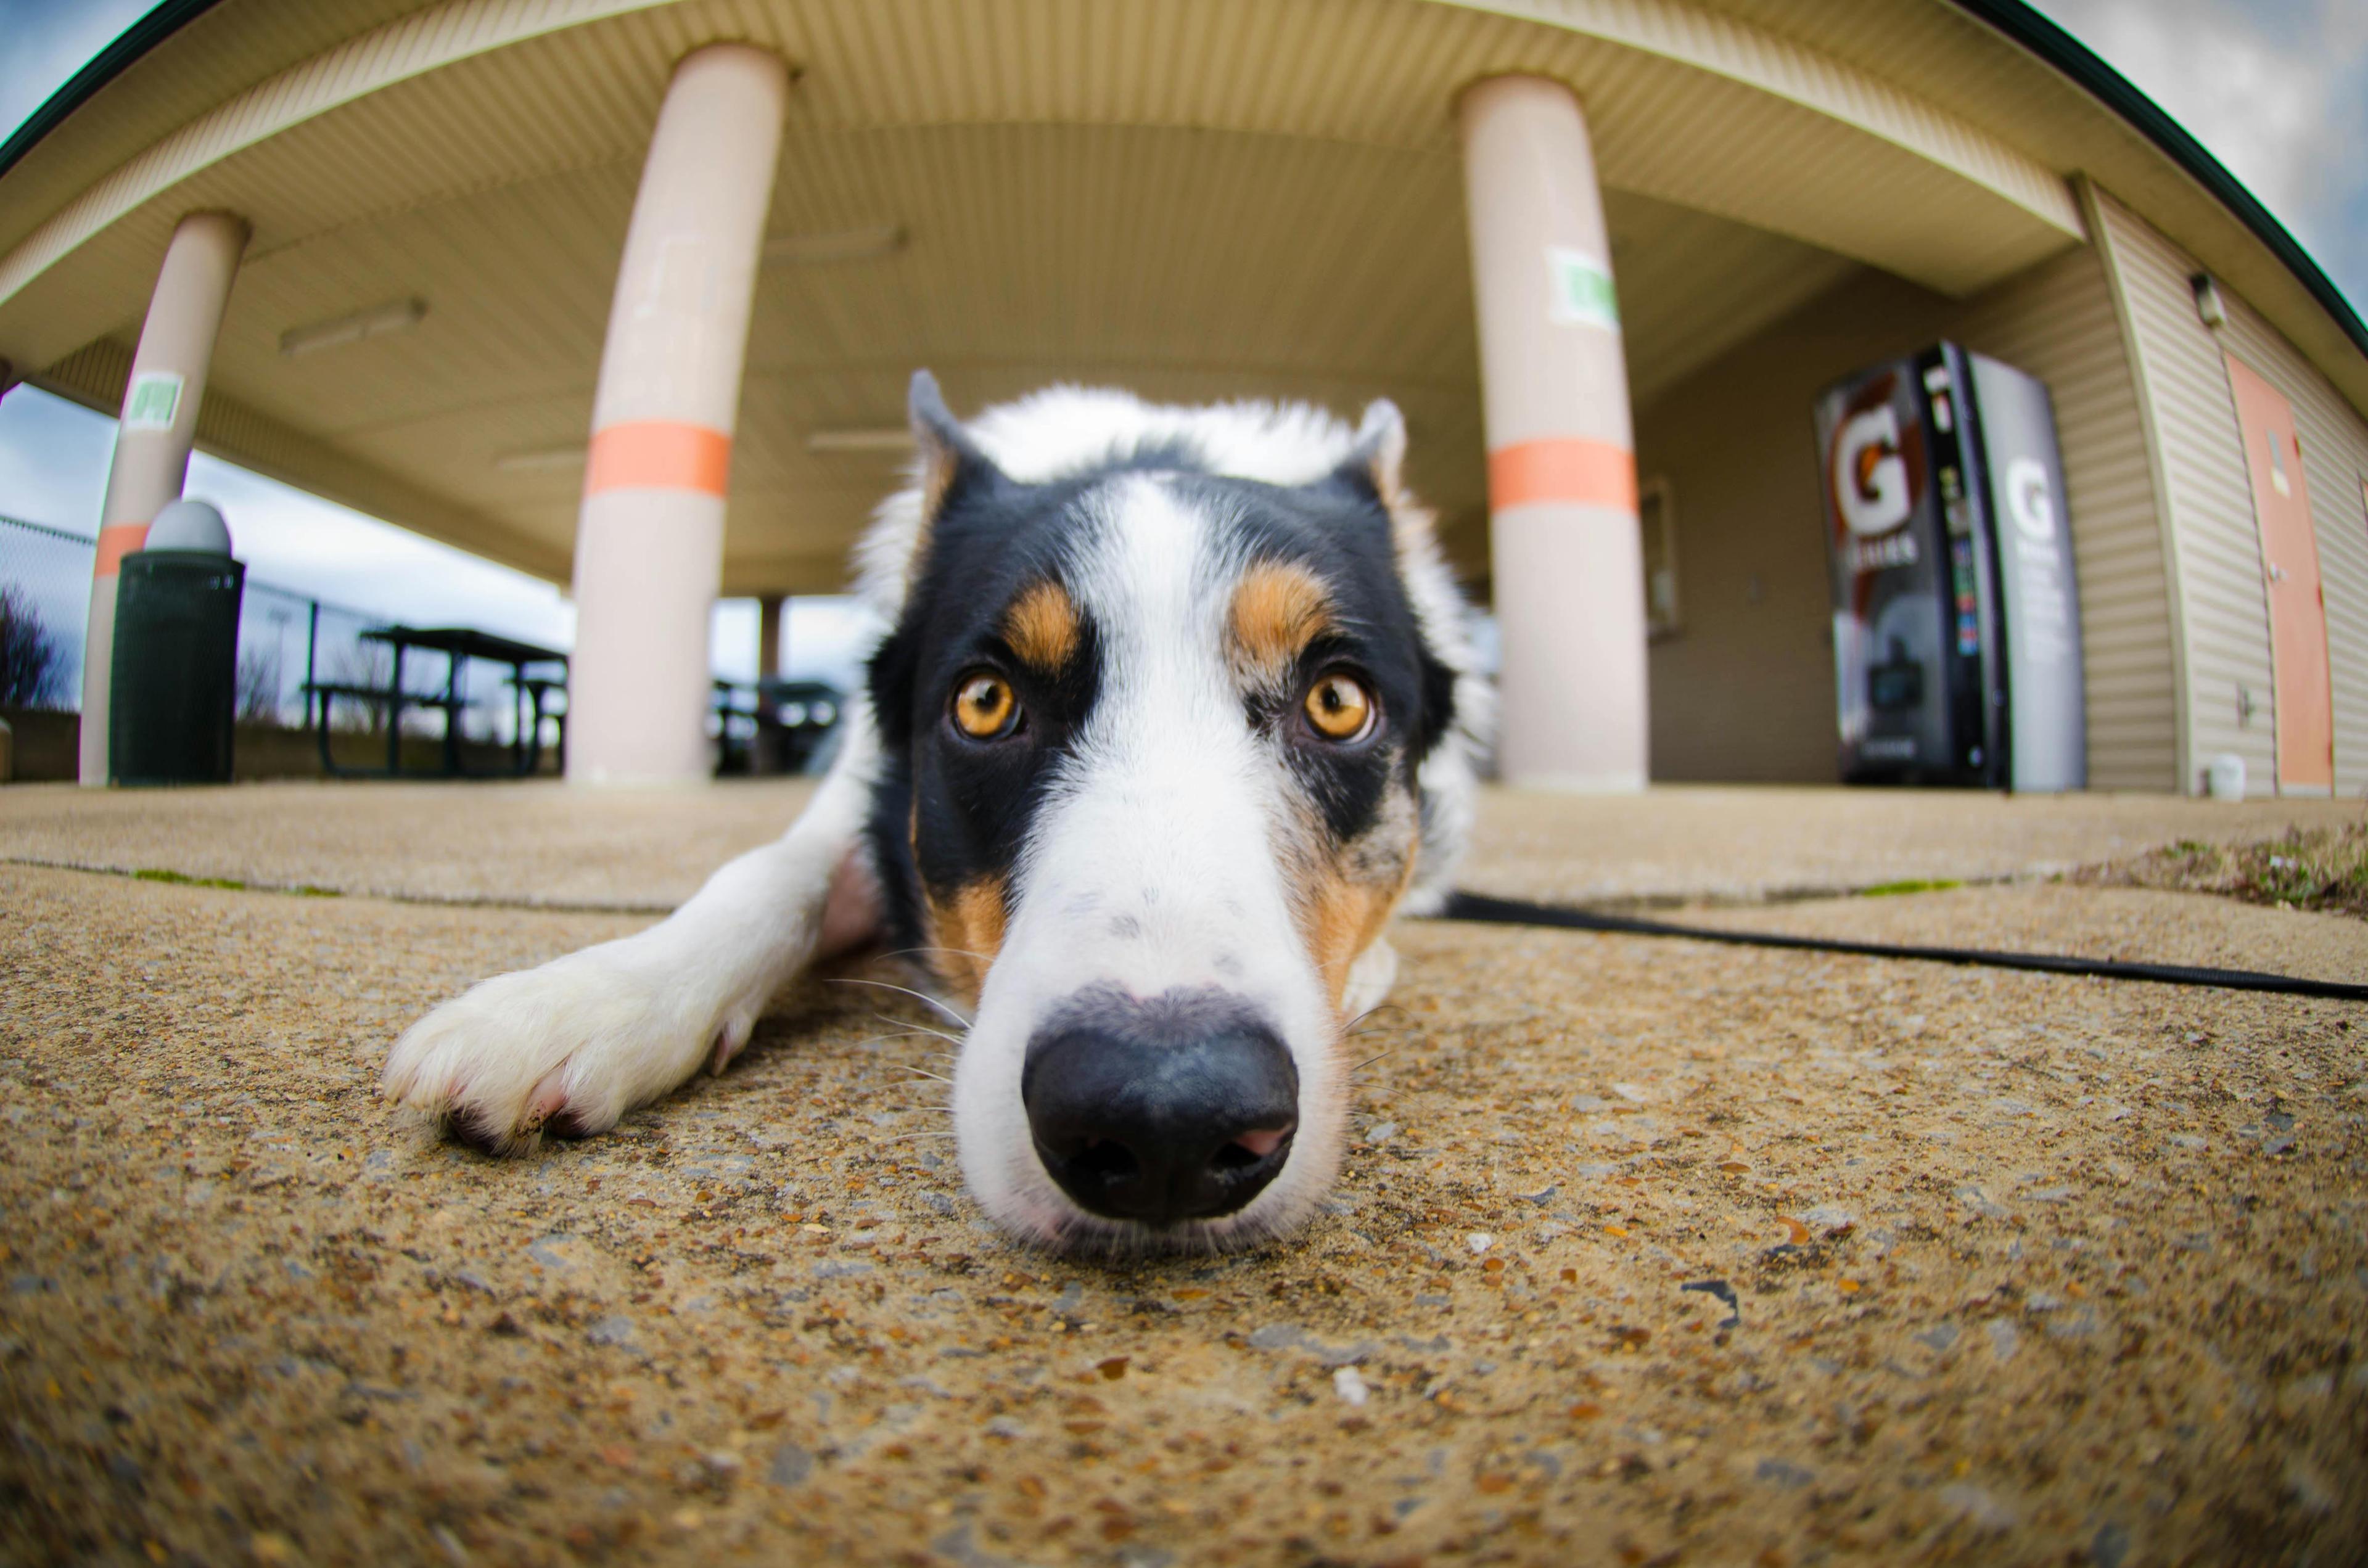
{"x": 1192, "y": 198}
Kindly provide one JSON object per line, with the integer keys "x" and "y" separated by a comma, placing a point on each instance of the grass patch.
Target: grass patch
{"x": 158, "y": 874}
{"x": 2324, "y": 868}
{"x": 1913, "y": 884}
{"x": 229, "y": 884}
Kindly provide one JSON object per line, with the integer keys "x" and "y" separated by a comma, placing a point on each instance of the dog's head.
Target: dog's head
{"x": 1177, "y": 708}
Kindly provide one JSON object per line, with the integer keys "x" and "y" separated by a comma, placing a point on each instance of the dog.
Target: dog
{"x": 1176, "y": 707}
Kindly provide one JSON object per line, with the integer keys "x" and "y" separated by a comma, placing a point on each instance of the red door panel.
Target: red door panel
{"x": 2306, "y": 705}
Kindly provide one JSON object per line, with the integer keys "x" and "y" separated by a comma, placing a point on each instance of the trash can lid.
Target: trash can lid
{"x": 190, "y": 525}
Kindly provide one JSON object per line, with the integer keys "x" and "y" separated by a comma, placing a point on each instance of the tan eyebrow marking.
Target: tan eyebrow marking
{"x": 1278, "y": 610}
{"x": 1041, "y": 627}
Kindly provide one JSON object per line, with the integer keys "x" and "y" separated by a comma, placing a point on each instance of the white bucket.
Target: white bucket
{"x": 2225, "y": 777}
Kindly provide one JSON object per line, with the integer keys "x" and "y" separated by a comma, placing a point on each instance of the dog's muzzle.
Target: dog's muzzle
{"x": 1161, "y": 1112}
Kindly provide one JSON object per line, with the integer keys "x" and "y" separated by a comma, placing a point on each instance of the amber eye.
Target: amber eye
{"x": 1341, "y": 709}
{"x": 985, "y": 706}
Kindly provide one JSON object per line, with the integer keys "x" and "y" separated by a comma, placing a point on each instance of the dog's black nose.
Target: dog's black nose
{"x": 1179, "y": 1107}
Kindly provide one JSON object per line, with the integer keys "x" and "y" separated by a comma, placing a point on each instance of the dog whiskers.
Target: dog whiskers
{"x": 963, "y": 952}
{"x": 927, "y": 1073}
{"x": 916, "y": 1030}
{"x": 923, "y": 997}
{"x": 903, "y": 1034}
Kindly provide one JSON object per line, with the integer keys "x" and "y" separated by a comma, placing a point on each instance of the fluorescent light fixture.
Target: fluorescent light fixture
{"x": 889, "y": 438}
{"x": 541, "y": 458}
{"x": 838, "y": 245}
{"x": 395, "y": 315}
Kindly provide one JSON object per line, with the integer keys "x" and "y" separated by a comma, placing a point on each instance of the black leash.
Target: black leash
{"x": 1485, "y": 910}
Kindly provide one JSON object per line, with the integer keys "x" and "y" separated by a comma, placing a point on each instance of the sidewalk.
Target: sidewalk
{"x": 1643, "y": 1248}
{"x": 541, "y": 843}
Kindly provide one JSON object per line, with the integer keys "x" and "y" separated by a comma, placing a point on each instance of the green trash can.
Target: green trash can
{"x": 174, "y": 689}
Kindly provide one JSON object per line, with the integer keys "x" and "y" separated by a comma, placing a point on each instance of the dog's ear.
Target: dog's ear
{"x": 946, "y": 460}
{"x": 950, "y": 460}
{"x": 1373, "y": 464}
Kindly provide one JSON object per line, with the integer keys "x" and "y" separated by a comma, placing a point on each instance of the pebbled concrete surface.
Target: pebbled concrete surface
{"x": 541, "y": 843}
{"x": 1992, "y": 1267}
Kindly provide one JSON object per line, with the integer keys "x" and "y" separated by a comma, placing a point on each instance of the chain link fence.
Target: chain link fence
{"x": 286, "y": 642}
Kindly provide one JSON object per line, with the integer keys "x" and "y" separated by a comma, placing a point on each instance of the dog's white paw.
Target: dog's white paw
{"x": 567, "y": 1048}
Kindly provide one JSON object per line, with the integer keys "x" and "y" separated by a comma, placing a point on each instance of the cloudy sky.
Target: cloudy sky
{"x": 2277, "y": 89}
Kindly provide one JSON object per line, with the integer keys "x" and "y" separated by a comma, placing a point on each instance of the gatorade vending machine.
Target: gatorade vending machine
{"x": 1956, "y": 620}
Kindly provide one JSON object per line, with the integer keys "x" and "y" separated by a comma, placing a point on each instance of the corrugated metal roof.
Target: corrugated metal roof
{"x": 1194, "y": 198}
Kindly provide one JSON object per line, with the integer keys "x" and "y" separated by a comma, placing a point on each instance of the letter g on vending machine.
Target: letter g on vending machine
{"x": 1956, "y": 618}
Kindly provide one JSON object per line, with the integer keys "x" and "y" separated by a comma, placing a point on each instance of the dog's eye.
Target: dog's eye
{"x": 1341, "y": 709}
{"x": 985, "y": 706}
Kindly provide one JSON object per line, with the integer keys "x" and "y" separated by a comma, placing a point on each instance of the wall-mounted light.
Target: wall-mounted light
{"x": 886, "y": 438}
{"x": 541, "y": 458}
{"x": 836, "y": 245}
{"x": 2210, "y": 308}
{"x": 395, "y": 315}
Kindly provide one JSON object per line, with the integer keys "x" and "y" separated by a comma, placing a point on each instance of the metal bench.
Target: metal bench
{"x": 325, "y": 692}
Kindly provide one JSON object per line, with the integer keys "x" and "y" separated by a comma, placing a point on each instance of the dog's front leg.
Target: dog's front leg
{"x": 574, "y": 1045}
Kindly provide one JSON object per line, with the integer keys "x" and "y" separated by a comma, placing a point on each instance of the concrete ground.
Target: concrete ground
{"x": 1648, "y": 1251}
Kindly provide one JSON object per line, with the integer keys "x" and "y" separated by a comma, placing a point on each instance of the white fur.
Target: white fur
{"x": 613, "y": 1027}
{"x": 1153, "y": 865}
{"x": 1064, "y": 430}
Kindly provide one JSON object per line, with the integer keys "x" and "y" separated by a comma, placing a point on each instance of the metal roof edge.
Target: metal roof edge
{"x": 2015, "y": 19}
{"x": 2022, "y": 24}
{"x": 153, "y": 28}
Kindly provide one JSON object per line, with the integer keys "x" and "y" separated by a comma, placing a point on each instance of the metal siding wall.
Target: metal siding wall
{"x": 2217, "y": 538}
{"x": 2215, "y": 541}
{"x": 2058, "y": 323}
{"x": 2335, "y": 467}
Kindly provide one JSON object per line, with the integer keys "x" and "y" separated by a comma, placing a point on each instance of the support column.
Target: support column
{"x": 1566, "y": 556}
{"x": 770, "y": 618}
{"x": 153, "y": 437}
{"x": 649, "y": 540}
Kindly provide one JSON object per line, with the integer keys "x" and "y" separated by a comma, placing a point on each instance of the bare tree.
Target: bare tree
{"x": 360, "y": 664}
{"x": 32, "y": 664}
{"x": 259, "y": 687}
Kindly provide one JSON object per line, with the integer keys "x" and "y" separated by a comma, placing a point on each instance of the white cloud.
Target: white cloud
{"x": 46, "y": 41}
{"x": 53, "y": 457}
{"x": 2276, "y": 89}
{"x": 53, "y": 461}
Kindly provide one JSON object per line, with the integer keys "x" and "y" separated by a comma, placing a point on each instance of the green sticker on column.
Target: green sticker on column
{"x": 1582, "y": 290}
{"x": 154, "y": 398}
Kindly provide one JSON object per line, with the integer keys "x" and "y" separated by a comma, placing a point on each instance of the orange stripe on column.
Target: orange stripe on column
{"x": 115, "y": 542}
{"x": 658, "y": 454}
{"x": 1568, "y": 470}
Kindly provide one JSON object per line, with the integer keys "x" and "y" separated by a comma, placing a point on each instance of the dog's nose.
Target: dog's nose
{"x": 1179, "y": 1107}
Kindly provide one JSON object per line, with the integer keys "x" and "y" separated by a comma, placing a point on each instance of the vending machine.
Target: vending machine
{"x": 1956, "y": 618}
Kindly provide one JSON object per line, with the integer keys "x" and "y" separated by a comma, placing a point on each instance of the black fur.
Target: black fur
{"x": 994, "y": 537}
{"x": 991, "y": 541}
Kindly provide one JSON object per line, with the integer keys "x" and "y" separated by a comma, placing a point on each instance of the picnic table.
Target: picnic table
{"x": 459, "y": 644}
{"x": 789, "y": 719}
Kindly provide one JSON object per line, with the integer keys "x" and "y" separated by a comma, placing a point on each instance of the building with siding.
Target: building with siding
{"x": 408, "y": 256}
